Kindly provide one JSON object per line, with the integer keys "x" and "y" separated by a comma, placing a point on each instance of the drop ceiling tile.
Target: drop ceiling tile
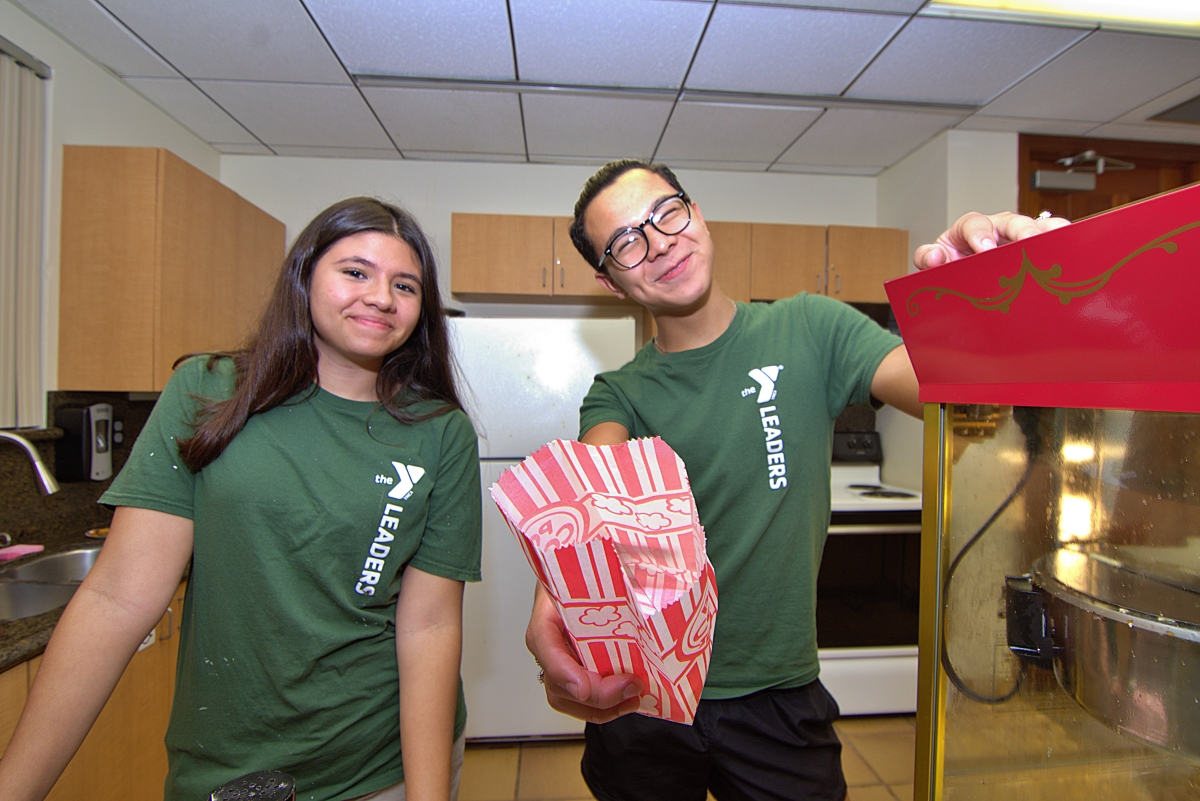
{"x": 450, "y": 121}
{"x": 300, "y": 114}
{"x": 1023, "y": 125}
{"x": 732, "y": 132}
{"x": 599, "y": 127}
{"x": 614, "y": 43}
{"x": 895, "y": 6}
{"x": 794, "y": 51}
{"x": 195, "y": 111}
{"x": 264, "y": 40}
{"x": 1162, "y": 132}
{"x": 467, "y": 39}
{"x": 1162, "y": 103}
{"x": 959, "y": 61}
{"x": 846, "y": 137}
{"x": 336, "y": 152}
{"x": 1104, "y": 76}
{"x": 98, "y": 35}
{"x": 240, "y": 149}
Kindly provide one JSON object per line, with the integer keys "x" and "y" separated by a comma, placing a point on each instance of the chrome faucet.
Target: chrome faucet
{"x": 46, "y": 480}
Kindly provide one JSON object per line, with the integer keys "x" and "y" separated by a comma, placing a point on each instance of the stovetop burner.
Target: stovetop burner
{"x": 887, "y": 493}
{"x": 855, "y": 487}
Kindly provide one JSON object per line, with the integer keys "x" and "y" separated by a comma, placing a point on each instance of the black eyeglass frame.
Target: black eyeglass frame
{"x": 641, "y": 229}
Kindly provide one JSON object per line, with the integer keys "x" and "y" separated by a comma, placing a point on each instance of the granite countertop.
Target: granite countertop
{"x": 25, "y": 638}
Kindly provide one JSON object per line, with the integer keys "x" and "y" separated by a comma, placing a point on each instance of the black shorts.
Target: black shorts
{"x": 774, "y": 744}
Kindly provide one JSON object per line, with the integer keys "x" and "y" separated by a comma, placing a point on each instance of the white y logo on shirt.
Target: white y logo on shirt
{"x": 766, "y": 377}
{"x": 409, "y": 475}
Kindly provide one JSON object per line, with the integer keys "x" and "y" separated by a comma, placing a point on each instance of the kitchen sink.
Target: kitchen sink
{"x": 43, "y": 583}
{"x": 55, "y": 568}
{"x": 18, "y": 600}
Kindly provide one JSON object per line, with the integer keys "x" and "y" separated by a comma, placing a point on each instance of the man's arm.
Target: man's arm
{"x": 571, "y": 688}
{"x": 895, "y": 383}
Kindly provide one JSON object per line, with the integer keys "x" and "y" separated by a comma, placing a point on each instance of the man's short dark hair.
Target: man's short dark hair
{"x": 605, "y": 177}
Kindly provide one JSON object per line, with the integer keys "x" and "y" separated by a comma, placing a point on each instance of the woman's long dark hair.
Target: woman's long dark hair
{"x": 280, "y": 359}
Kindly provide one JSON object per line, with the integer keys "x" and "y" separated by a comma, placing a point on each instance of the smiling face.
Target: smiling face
{"x": 365, "y": 301}
{"x": 677, "y": 273}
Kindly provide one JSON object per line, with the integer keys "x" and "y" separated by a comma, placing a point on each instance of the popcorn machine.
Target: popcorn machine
{"x": 1060, "y": 578}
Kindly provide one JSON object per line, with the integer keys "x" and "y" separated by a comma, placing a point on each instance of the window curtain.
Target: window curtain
{"x": 22, "y": 171}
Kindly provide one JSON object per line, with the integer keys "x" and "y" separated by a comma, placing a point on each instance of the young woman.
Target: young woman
{"x": 323, "y": 484}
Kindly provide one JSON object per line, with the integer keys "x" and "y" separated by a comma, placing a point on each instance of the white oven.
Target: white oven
{"x": 867, "y": 593}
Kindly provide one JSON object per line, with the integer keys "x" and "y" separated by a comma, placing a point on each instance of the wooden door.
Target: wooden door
{"x": 573, "y": 277}
{"x": 861, "y": 259}
{"x": 1158, "y": 167}
{"x": 731, "y": 258}
{"x": 107, "y": 276}
{"x": 501, "y": 254}
{"x": 786, "y": 260}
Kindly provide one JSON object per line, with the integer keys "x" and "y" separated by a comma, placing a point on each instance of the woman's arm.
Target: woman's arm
{"x": 122, "y": 598}
{"x": 428, "y": 653}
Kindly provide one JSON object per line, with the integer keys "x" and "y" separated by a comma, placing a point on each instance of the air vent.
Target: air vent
{"x": 1186, "y": 112}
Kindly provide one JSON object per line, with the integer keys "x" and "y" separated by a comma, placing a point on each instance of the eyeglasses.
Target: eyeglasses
{"x": 630, "y": 247}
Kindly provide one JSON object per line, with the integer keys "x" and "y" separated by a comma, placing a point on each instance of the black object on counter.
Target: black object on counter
{"x": 263, "y": 785}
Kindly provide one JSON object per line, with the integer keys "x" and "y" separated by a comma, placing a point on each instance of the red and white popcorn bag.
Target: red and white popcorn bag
{"x": 613, "y": 535}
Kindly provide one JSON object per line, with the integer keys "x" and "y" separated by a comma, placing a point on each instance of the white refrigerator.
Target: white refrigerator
{"x": 523, "y": 381}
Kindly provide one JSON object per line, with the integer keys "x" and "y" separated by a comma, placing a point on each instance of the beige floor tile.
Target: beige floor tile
{"x": 876, "y": 724}
{"x": 903, "y": 792}
{"x": 489, "y": 774}
{"x": 856, "y": 770}
{"x": 551, "y": 773}
{"x": 876, "y": 793}
{"x": 890, "y": 755}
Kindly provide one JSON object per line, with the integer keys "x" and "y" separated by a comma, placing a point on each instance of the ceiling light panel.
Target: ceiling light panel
{"x": 310, "y": 151}
{"x": 266, "y": 40}
{"x": 731, "y": 132}
{"x": 1102, "y": 77}
{"x": 100, "y": 36}
{"x": 1161, "y": 132}
{"x": 450, "y": 121}
{"x": 466, "y": 39}
{"x": 789, "y": 51}
{"x": 300, "y": 114}
{"x": 1162, "y": 103}
{"x": 959, "y": 61}
{"x": 895, "y": 6}
{"x": 864, "y": 138}
{"x": 1166, "y": 15}
{"x": 1025, "y": 125}
{"x": 587, "y": 126}
{"x": 193, "y": 109}
{"x": 647, "y": 43}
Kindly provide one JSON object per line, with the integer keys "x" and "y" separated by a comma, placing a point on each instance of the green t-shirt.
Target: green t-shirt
{"x": 287, "y": 659}
{"x": 751, "y": 415}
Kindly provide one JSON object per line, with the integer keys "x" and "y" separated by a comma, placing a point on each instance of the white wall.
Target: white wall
{"x": 955, "y": 172}
{"x": 86, "y": 105}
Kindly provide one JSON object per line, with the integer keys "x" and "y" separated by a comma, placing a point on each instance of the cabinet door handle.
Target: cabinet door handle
{"x": 562, "y": 277}
{"x": 170, "y": 623}
{"x": 820, "y": 281}
{"x": 838, "y": 291}
{"x": 543, "y": 276}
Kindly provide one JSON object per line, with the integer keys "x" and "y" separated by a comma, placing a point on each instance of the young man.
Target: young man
{"x": 746, "y": 395}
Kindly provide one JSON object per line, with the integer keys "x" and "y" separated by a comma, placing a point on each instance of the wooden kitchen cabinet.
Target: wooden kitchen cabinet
{"x": 861, "y": 259}
{"x": 786, "y": 260}
{"x": 497, "y": 257}
{"x": 123, "y": 757}
{"x": 14, "y": 689}
{"x": 158, "y": 260}
{"x": 731, "y": 257}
